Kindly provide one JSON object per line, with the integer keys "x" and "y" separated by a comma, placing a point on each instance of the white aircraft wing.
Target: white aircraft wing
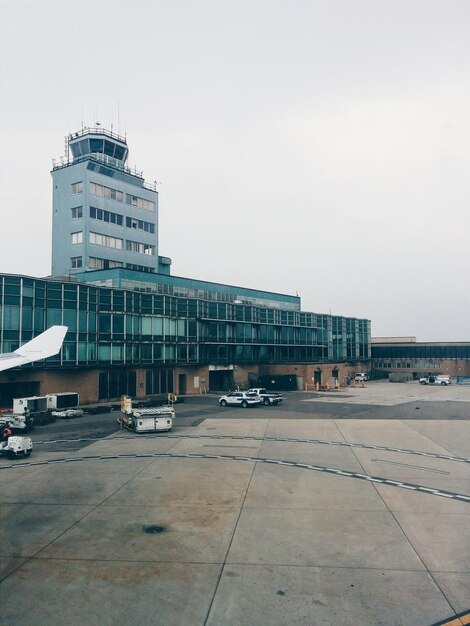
{"x": 44, "y": 345}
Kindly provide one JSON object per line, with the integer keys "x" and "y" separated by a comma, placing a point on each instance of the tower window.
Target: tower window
{"x": 77, "y": 237}
{"x": 77, "y": 187}
{"x": 104, "y": 240}
{"x": 106, "y": 192}
{"x": 141, "y": 203}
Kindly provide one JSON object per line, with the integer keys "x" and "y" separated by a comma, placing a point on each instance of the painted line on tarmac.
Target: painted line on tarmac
{"x": 457, "y": 620}
{"x": 419, "y": 467}
{"x": 431, "y": 455}
{"x": 317, "y": 468}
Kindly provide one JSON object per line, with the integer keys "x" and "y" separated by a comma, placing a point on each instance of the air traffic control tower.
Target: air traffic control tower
{"x": 104, "y": 214}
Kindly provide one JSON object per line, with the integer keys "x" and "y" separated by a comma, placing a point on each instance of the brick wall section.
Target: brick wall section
{"x": 242, "y": 375}
{"x": 84, "y": 382}
{"x": 191, "y": 373}
{"x": 306, "y": 371}
{"x": 140, "y": 383}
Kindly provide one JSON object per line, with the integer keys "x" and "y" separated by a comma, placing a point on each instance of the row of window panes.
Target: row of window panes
{"x": 106, "y": 216}
{"x": 223, "y": 310}
{"x": 94, "y": 263}
{"x": 82, "y": 148}
{"x": 140, "y": 268}
{"x": 105, "y": 240}
{"x": 76, "y": 262}
{"x": 115, "y": 194}
{"x": 106, "y": 192}
{"x": 210, "y": 330}
{"x": 114, "y": 218}
{"x": 141, "y": 203}
{"x": 140, "y": 248}
{"x": 306, "y": 319}
{"x": 140, "y": 225}
{"x": 148, "y": 353}
{"x": 407, "y": 365}
{"x": 114, "y": 242}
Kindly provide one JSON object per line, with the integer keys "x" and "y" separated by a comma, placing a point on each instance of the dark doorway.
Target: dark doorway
{"x": 220, "y": 380}
{"x": 116, "y": 383}
{"x": 8, "y": 391}
{"x": 182, "y": 384}
{"x": 317, "y": 376}
{"x": 158, "y": 381}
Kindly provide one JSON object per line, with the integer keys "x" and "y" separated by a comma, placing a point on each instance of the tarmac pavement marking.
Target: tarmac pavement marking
{"x": 462, "y": 619}
{"x": 432, "y": 455}
{"x": 330, "y": 470}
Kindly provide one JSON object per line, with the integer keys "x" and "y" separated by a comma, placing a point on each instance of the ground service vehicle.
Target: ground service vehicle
{"x": 267, "y": 397}
{"x": 148, "y": 420}
{"x": 16, "y": 446}
{"x": 61, "y": 401}
{"x": 240, "y": 398}
{"x": 34, "y": 404}
{"x": 435, "y": 380}
{"x": 17, "y": 423}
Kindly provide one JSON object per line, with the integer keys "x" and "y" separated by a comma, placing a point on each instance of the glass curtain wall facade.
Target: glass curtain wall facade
{"x": 120, "y": 327}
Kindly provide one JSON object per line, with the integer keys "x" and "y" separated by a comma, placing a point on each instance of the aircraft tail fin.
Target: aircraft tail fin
{"x": 44, "y": 345}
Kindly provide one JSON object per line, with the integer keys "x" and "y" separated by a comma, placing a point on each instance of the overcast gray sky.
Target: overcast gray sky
{"x": 318, "y": 148}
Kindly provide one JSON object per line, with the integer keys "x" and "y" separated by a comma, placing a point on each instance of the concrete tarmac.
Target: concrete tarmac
{"x": 237, "y": 526}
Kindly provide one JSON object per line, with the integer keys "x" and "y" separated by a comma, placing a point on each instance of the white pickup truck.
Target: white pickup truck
{"x": 267, "y": 398}
{"x": 435, "y": 380}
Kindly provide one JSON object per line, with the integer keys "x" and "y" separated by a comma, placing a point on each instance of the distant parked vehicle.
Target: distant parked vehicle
{"x": 268, "y": 398}
{"x": 435, "y": 380}
{"x": 240, "y": 398}
{"x": 361, "y": 376}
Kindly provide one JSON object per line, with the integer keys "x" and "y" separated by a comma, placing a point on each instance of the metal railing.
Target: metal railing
{"x": 97, "y": 130}
{"x": 102, "y": 159}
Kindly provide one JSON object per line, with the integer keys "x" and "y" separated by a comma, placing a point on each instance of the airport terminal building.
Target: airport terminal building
{"x": 133, "y": 327}
{"x": 413, "y": 359}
